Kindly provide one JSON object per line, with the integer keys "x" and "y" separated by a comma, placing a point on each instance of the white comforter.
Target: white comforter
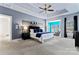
{"x": 43, "y": 36}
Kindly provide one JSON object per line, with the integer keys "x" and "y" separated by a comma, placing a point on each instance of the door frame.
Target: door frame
{"x": 2, "y": 15}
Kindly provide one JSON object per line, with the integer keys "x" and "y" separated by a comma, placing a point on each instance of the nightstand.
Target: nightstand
{"x": 25, "y": 36}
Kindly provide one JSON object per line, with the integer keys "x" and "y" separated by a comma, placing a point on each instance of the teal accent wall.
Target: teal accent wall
{"x": 53, "y": 23}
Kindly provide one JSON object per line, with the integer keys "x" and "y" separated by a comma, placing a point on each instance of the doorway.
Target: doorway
{"x": 70, "y": 28}
{"x": 5, "y": 27}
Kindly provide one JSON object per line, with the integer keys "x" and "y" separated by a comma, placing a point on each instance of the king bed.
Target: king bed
{"x": 40, "y": 35}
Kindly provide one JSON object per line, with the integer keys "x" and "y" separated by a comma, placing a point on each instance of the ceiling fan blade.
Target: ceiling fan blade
{"x": 41, "y": 8}
{"x": 50, "y": 10}
{"x": 49, "y": 6}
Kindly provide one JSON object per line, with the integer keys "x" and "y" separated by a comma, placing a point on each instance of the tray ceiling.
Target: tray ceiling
{"x": 34, "y": 10}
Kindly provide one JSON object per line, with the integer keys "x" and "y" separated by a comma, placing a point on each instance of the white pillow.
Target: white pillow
{"x": 31, "y": 30}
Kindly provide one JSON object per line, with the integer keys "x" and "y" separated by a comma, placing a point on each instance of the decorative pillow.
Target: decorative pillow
{"x": 31, "y": 30}
{"x": 35, "y": 30}
{"x": 40, "y": 30}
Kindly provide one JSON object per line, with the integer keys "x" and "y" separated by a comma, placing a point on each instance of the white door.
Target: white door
{"x": 5, "y": 27}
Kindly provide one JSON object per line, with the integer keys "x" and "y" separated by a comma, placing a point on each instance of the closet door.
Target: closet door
{"x": 5, "y": 27}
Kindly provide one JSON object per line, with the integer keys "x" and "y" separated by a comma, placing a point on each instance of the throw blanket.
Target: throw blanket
{"x": 39, "y": 34}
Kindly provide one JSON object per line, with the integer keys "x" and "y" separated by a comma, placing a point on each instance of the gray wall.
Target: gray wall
{"x": 69, "y": 17}
{"x": 17, "y": 18}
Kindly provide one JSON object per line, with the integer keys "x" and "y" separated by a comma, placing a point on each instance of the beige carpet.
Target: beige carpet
{"x": 54, "y": 46}
{"x": 16, "y": 45}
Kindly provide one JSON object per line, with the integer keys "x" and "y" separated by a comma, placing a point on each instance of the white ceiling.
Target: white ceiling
{"x": 33, "y": 9}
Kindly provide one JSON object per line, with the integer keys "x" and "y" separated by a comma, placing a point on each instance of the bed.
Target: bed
{"x": 41, "y": 36}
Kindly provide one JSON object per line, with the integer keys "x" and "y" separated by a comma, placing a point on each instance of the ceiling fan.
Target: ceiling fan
{"x": 46, "y": 8}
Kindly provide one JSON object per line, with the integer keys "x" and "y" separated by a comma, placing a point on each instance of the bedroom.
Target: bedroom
{"x": 34, "y": 21}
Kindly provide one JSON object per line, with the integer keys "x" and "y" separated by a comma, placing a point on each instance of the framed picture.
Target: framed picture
{"x": 17, "y": 26}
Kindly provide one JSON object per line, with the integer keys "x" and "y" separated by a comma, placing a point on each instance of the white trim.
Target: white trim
{"x": 54, "y": 20}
